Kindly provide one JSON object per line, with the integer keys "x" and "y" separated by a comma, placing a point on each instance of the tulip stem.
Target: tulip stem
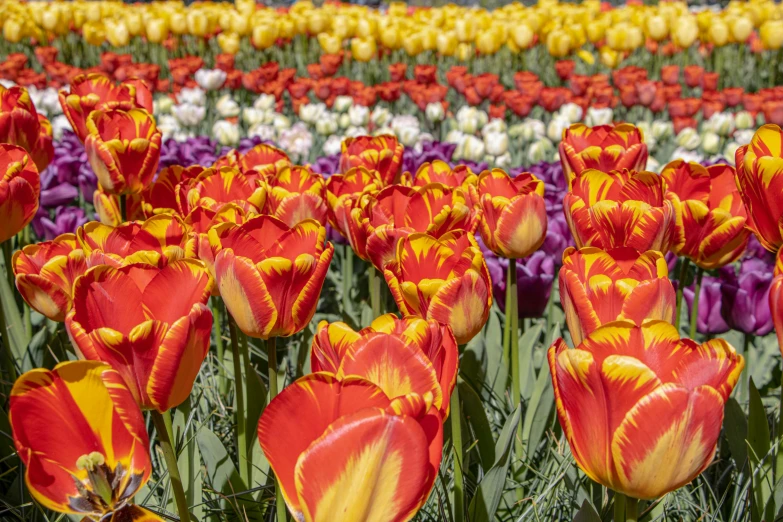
{"x": 162, "y": 423}
{"x": 456, "y": 442}
{"x": 631, "y": 509}
{"x": 123, "y": 208}
{"x": 9, "y": 271}
{"x": 512, "y": 316}
{"x": 271, "y": 356}
{"x": 619, "y": 507}
{"x": 695, "y": 305}
{"x": 375, "y": 292}
{"x": 507, "y": 326}
{"x": 216, "y": 312}
{"x": 8, "y": 356}
{"x": 347, "y": 278}
{"x": 684, "y": 262}
{"x": 240, "y": 399}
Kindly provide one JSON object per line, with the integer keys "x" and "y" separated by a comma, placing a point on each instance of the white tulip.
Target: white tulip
{"x": 189, "y": 114}
{"x": 744, "y": 136}
{"x": 252, "y": 116}
{"x": 327, "y": 125}
{"x": 662, "y": 129}
{"x": 601, "y": 116}
{"x": 167, "y": 125}
{"x": 503, "y": 161}
{"x": 162, "y": 105}
{"x": 59, "y": 124}
{"x": 226, "y": 106}
{"x": 434, "y": 112}
{"x": 210, "y": 79}
{"x": 380, "y": 116}
{"x": 721, "y": 123}
{"x": 496, "y": 125}
{"x": 571, "y": 112}
{"x": 265, "y": 132}
{"x": 296, "y": 141}
{"x": 455, "y": 136}
{"x": 688, "y": 139}
{"x": 343, "y": 121}
{"x": 688, "y": 156}
{"x": 383, "y": 131}
{"x": 193, "y": 96}
{"x": 342, "y": 103}
{"x": 312, "y": 112}
{"x": 539, "y": 150}
{"x": 333, "y": 145}
{"x": 710, "y": 143}
{"x": 730, "y": 150}
{"x": 496, "y": 143}
{"x": 408, "y": 135}
{"x": 227, "y": 133}
{"x": 471, "y": 149}
{"x": 534, "y": 129}
{"x": 352, "y": 131}
{"x": 744, "y": 120}
{"x": 265, "y": 102}
{"x": 554, "y": 130}
{"x": 280, "y": 122}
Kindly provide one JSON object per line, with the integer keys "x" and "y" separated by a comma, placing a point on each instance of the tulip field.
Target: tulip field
{"x": 334, "y": 263}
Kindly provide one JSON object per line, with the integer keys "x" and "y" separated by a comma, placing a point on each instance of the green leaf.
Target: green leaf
{"x": 538, "y": 410}
{"x": 761, "y": 462}
{"x": 527, "y": 374}
{"x": 189, "y": 464}
{"x": 735, "y": 426}
{"x": 13, "y": 319}
{"x": 490, "y": 490}
{"x": 476, "y": 418}
{"x": 587, "y": 513}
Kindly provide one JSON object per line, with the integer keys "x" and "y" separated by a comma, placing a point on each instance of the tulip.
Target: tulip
{"x": 296, "y": 194}
{"x": 514, "y": 221}
{"x": 342, "y": 194}
{"x": 388, "y": 449}
{"x": 445, "y": 279}
{"x": 745, "y": 298}
{"x": 151, "y": 324}
{"x": 598, "y": 287}
{"x": 22, "y": 126}
{"x": 123, "y": 148}
{"x": 604, "y": 147}
{"x": 157, "y": 241}
{"x": 534, "y": 282}
{"x": 711, "y": 218}
{"x": 620, "y": 208}
{"x": 426, "y": 351}
{"x": 90, "y": 92}
{"x": 398, "y": 211}
{"x": 213, "y": 189}
{"x": 270, "y": 275}
{"x": 20, "y": 188}
{"x": 708, "y": 317}
{"x": 45, "y": 273}
{"x": 439, "y": 171}
{"x": 380, "y": 153}
{"x": 263, "y": 160}
{"x": 97, "y": 458}
{"x": 760, "y": 184}
{"x": 160, "y": 197}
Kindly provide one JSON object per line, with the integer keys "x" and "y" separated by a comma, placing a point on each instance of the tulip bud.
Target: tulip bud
{"x": 742, "y": 28}
{"x": 771, "y": 33}
{"x": 264, "y": 36}
{"x": 363, "y": 49}
{"x": 657, "y": 28}
{"x": 228, "y": 42}
{"x": 685, "y": 32}
{"x": 447, "y": 43}
{"x": 434, "y": 112}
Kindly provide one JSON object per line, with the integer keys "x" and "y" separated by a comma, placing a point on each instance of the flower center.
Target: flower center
{"x": 105, "y": 489}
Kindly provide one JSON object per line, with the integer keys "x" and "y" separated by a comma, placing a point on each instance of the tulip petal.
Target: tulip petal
{"x": 245, "y": 294}
{"x": 521, "y": 228}
{"x": 463, "y": 303}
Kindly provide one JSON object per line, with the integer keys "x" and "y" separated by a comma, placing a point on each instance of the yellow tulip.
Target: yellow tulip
{"x": 286, "y": 28}
{"x": 718, "y": 33}
{"x": 317, "y": 23}
{"x": 94, "y": 33}
{"x": 178, "y": 23}
{"x": 741, "y": 29}
{"x": 596, "y": 30}
{"x": 390, "y": 37}
{"x": 366, "y": 27}
{"x": 363, "y": 49}
{"x": 117, "y": 33}
{"x": 429, "y": 39}
{"x": 198, "y": 24}
{"x": 586, "y": 56}
{"x": 465, "y": 28}
{"x": 771, "y": 33}
{"x": 559, "y": 43}
{"x": 522, "y": 35}
{"x": 50, "y": 18}
{"x": 134, "y": 23}
{"x": 465, "y": 51}
{"x": 343, "y": 27}
{"x": 239, "y": 24}
{"x": 487, "y": 42}
{"x": 246, "y": 7}
{"x": 412, "y": 44}
{"x": 398, "y": 9}
{"x": 329, "y": 43}
{"x": 447, "y": 43}
{"x": 228, "y": 42}
{"x": 157, "y": 30}
{"x": 609, "y": 57}
{"x": 264, "y": 36}
{"x": 12, "y": 30}
{"x": 657, "y": 28}
{"x": 685, "y": 31}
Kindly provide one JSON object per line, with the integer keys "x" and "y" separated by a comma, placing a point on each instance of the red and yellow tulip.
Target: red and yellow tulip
{"x": 160, "y": 197}
{"x": 620, "y": 208}
{"x": 710, "y": 214}
{"x": 107, "y": 207}
{"x": 760, "y": 183}
{"x": 156, "y": 241}
{"x": 603, "y": 147}
{"x": 269, "y": 275}
{"x": 214, "y": 188}
{"x": 94, "y": 91}
{"x": 296, "y": 193}
{"x": 123, "y": 148}
{"x": 401, "y": 356}
{"x": 390, "y": 450}
{"x": 45, "y": 273}
{"x": 445, "y": 279}
{"x": 439, "y": 171}
{"x": 598, "y": 287}
{"x": 21, "y": 125}
{"x": 263, "y": 161}
{"x": 342, "y": 196}
{"x": 150, "y": 324}
{"x": 398, "y": 211}
{"x": 20, "y": 188}
{"x": 514, "y": 221}
{"x": 641, "y": 408}
{"x": 380, "y": 153}
{"x": 82, "y": 440}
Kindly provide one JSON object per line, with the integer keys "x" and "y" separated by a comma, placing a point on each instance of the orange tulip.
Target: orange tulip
{"x": 514, "y": 221}
{"x": 123, "y": 148}
{"x": 156, "y": 241}
{"x": 603, "y": 147}
{"x": 214, "y": 188}
{"x": 160, "y": 197}
{"x": 620, "y": 208}
{"x": 150, "y": 324}
{"x": 760, "y": 183}
{"x": 439, "y": 171}
{"x": 263, "y": 160}
{"x": 445, "y": 279}
{"x": 424, "y": 351}
{"x": 398, "y": 211}
{"x": 641, "y": 408}
{"x": 20, "y": 188}
{"x": 343, "y": 192}
{"x": 269, "y": 275}
{"x": 45, "y": 273}
{"x": 380, "y": 153}
{"x": 389, "y": 450}
{"x": 107, "y": 207}
{"x": 21, "y": 125}
{"x": 295, "y": 194}
{"x": 598, "y": 287}
{"x": 710, "y": 214}
{"x": 82, "y": 440}
{"x": 94, "y": 91}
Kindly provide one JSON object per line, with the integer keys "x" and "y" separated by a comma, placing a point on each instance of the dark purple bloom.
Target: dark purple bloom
{"x": 67, "y": 219}
{"x": 327, "y": 164}
{"x": 430, "y": 151}
{"x": 58, "y": 195}
{"x": 334, "y": 236}
{"x": 745, "y": 298}
{"x": 754, "y": 250}
{"x": 709, "y": 320}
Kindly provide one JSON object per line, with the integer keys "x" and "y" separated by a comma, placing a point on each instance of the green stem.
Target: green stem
{"x": 631, "y": 509}
{"x": 7, "y": 356}
{"x": 619, "y": 507}
{"x": 742, "y": 384}
{"x": 779, "y": 435}
{"x": 9, "y": 271}
{"x": 123, "y": 208}
{"x": 695, "y": 304}
{"x": 684, "y": 262}
{"x": 163, "y": 426}
{"x": 375, "y": 292}
{"x": 216, "y": 312}
{"x": 507, "y": 325}
{"x": 347, "y": 278}
{"x": 456, "y": 439}
{"x": 240, "y": 397}
{"x": 271, "y": 355}
{"x": 248, "y": 376}
{"x": 512, "y": 315}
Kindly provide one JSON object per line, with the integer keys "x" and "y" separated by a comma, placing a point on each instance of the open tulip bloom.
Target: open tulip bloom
{"x": 603, "y": 147}
{"x": 98, "y": 458}
{"x": 20, "y": 188}
{"x": 21, "y": 125}
{"x": 379, "y": 153}
{"x": 641, "y": 408}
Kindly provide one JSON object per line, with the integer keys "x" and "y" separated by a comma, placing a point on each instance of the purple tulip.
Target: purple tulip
{"x": 327, "y": 164}
{"x": 745, "y": 298}
{"x": 67, "y": 219}
{"x": 430, "y": 151}
{"x": 710, "y": 320}
{"x": 58, "y": 195}
{"x": 754, "y": 250}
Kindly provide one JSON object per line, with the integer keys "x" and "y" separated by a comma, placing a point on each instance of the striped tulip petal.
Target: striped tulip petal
{"x": 20, "y": 188}
{"x": 603, "y": 147}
